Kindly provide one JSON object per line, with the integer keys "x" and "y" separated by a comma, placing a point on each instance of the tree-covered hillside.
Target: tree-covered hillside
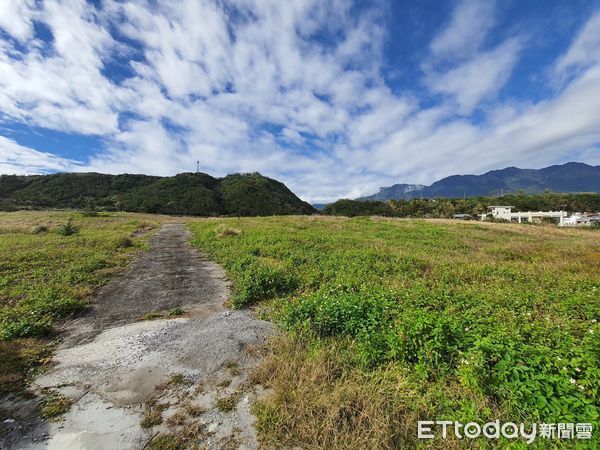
{"x": 446, "y": 207}
{"x": 196, "y": 194}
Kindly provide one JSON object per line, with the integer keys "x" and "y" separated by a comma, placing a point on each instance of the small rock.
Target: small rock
{"x": 213, "y": 427}
{"x": 9, "y": 421}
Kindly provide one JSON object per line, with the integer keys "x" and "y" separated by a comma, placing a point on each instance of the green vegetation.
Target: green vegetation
{"x": 55, "y": 405}
{"x": 166, "y": 442}
{"x": 175, "y": 312}
{"x": 227, "y": 404}
{"x": 47, "y": 273}
{"x": 392, "y": 321}
{"x": 195, "y": 194}
{"x": 446, "y": 207}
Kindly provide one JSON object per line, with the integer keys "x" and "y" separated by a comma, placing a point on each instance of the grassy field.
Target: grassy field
{"x": 51, "y": 263}
{"x": 394, "y": 321}
{"x": 386, "y": 321}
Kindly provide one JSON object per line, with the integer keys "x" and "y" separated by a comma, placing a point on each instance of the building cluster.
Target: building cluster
{"x": 505, "y": 213}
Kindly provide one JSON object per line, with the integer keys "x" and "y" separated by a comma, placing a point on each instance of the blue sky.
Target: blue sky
{"x": 335, "y": 98}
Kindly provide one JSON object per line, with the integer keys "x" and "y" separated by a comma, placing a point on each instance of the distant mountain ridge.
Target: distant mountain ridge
{"x": 195, "y": 194}
{"x": 568, "y": 177}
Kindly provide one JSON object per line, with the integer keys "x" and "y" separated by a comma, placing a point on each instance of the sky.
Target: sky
{"x": 335, "y": 98}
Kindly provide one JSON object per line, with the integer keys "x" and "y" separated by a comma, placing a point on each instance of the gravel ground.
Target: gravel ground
{"x": 189, "y": 372}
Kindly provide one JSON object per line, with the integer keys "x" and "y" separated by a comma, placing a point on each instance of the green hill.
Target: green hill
{"x": 195, "y": 194}
{"x": 446, "y": 207}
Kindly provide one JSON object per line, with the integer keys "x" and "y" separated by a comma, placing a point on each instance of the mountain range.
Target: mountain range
{"x": 196, "y": 194}
{"x": 569, "y": 177}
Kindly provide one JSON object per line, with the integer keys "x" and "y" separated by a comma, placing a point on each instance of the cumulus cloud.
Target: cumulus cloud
{"x": 295, "y": 90}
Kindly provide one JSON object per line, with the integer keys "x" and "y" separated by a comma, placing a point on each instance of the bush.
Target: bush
{"x": 67, "y": 229}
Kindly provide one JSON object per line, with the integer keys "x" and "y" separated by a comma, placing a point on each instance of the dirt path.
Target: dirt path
{"x": 185, "y": 376}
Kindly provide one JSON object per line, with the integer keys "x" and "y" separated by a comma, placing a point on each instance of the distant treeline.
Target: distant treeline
{"x": 446, "y": 207}
{"x": 196, "y": 194}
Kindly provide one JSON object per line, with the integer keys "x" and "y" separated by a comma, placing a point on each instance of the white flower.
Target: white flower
{"x": 573, "y": 381}
{"x": 591, "y": 331}
{"x": 594, "y": 321}
{"x": 577, "y": 369}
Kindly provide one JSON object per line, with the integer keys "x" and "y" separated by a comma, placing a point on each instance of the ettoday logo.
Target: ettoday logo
{"x": 427, "y": 429}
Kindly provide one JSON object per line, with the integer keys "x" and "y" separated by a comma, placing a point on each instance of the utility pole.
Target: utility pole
{"x": 197, "y": 166}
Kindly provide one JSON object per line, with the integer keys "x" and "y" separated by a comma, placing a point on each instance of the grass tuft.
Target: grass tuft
{"x": 39, "y": 229}
{"x": 228, "y": 404}
{"x": 224, "y": 231}
{"x": 166, "y": 442}
{"x": 151, "y": 419}
{"x": 55, "y": 405}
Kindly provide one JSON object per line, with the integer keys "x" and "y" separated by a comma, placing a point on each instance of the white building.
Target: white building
{"x": 505, "y": 213}
{"x": 581, "y": 220}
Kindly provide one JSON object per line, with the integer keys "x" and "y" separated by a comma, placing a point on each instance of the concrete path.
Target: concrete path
{"x": 184, "y": 376}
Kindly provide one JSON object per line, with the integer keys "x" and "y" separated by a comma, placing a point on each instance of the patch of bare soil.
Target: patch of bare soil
{"x": 132, "y": 384}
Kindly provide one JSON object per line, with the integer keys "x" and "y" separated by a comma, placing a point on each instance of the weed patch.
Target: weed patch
{"x": 228, "y": 404}
{"x": 54, "y": 405}
{"x": 175, "y": 312}
{"x": 473, "y": 322}
{"x": 151, "y": 419}
{"x": 166, "y": 442}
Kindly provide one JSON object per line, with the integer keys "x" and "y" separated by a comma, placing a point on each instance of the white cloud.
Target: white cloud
{"x": 479, "y": 78}
{"x": 585, "y": 50}
{"x": 62, "y": 88}
{"x": 468, "y": 28}
{"x": 20, "y": 160}
{"x": 15, "y": 18}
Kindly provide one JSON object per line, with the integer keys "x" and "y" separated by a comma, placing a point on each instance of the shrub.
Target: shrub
{"x": 67, "y": 229}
